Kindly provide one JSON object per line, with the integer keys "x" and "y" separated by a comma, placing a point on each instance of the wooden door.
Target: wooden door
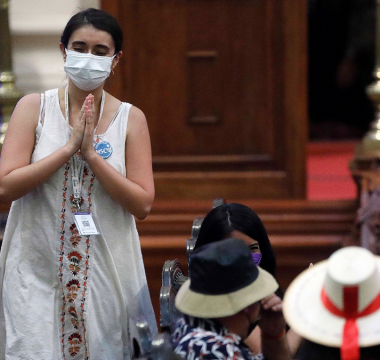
{"x": 223, "y": 86}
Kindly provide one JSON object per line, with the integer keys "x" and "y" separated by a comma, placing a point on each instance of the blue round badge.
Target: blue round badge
{"x": 104, "y": 149}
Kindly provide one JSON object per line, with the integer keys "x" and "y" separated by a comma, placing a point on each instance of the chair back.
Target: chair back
{"x": 144, "y": 347}
{"x": 218, "y": 201}
{"x": 140, "y": 338}
{"x": 190, "y": 244}
{"x": 172, "y": 279}
{"x": 196, "y": 227}
{"x": 162, "y": 348}
{"x": 197, "y": 223}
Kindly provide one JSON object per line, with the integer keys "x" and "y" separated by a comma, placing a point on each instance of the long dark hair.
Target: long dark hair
{"x": 221, "y": 221}
{"x": 100, "y": 20}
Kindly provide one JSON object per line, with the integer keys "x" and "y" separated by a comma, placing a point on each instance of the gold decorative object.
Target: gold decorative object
{"x": 4, "y": 4}
{"x": 365, "y": 167}
{"x": 9, "y": 95}
{"x": 368, "y": 150}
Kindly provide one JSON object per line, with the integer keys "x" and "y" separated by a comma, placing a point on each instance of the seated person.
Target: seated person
{"x": 226, "y": 297}
{"x": 240, "y": 222}
{"x": 335, "y": 305}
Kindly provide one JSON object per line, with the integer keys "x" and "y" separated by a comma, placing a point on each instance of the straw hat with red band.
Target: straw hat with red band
{"x": 337, "y": 302}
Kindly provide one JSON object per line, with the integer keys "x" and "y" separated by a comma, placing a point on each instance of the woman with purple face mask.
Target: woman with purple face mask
{"x": 240, "y": 222}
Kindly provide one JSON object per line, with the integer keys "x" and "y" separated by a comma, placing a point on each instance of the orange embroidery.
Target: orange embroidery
{"x": 75, "y": 237}
{"x": 74, "y": 320}
{"x": 85, "y": 278}
{"x": 74, "y": 259}
{"x": 61, "y": 253}
{"x": 73, "y": 286}
{"x": 89, "y": 191}
{"x": 85, "y": 174}
{"x": 75, "y": 340}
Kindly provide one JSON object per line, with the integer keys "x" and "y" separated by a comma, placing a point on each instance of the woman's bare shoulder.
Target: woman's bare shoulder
{"x": 136, "y": 114}
{"x": 136, "y": 121}
{"x": 28, "y": 108}
{"x": 32, "y": 101}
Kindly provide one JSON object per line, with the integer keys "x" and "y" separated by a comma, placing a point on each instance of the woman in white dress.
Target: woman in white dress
{"x": 74, "y": 157}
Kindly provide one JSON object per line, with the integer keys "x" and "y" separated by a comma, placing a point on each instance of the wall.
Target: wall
{"x": 36, "y": 27}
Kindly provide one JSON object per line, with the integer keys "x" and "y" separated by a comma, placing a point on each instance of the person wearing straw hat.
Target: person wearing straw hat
{"x": 335, "y": 306}
{"x": 226, "y": 297}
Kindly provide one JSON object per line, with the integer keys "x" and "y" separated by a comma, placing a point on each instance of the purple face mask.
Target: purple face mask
{"x": 256, "y": 258}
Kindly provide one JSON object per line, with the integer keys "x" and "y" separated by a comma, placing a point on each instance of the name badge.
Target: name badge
{"x": 85, "y": 224}
{"x": 104, "y": 149}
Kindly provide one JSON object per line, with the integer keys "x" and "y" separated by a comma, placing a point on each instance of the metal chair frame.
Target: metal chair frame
{"x": 173, "y": 277}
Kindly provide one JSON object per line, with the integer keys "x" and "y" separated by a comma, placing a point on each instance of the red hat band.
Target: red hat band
{"x": 349, "y": 349}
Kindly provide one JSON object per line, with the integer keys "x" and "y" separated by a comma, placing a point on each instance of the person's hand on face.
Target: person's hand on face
{"x": 272, "y": 322}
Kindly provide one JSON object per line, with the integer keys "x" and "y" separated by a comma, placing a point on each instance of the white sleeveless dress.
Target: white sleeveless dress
{"x": 66, "y": 296}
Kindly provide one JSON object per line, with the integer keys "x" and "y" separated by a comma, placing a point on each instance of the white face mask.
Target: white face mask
{"x": 87, "y": 71}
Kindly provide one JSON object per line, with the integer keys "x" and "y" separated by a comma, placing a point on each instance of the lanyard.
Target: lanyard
{"x": 77, "y": 161}
{"x": 76, "y": 177}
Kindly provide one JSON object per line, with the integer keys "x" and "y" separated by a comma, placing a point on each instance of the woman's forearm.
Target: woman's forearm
{"x": 19, "y": 182}
{"x": 276, "y": 349}
{"x": 129, "y": 195}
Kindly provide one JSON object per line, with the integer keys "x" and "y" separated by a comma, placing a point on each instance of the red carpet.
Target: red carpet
{"x": 328, "y": 174}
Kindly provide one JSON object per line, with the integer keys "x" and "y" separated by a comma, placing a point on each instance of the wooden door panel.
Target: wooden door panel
{"x": 219, "y": 85}
{"x": 226, "y": 28}
{"x": 215, "y": 61}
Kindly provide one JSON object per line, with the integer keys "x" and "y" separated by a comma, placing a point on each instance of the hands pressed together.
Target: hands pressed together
{"x": 83, "y": 128}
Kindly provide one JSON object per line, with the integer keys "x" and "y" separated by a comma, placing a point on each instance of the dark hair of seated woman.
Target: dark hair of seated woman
{"x": 238, "y": 221}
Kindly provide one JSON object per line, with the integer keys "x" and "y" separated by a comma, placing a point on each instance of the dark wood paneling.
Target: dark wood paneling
{"x": 210, "y": 185}
{"x": 204, "y": 88}
{"x": 295, "y": 89}
{"x": 280, "y": 217}
{"x": 221, "y": 79}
